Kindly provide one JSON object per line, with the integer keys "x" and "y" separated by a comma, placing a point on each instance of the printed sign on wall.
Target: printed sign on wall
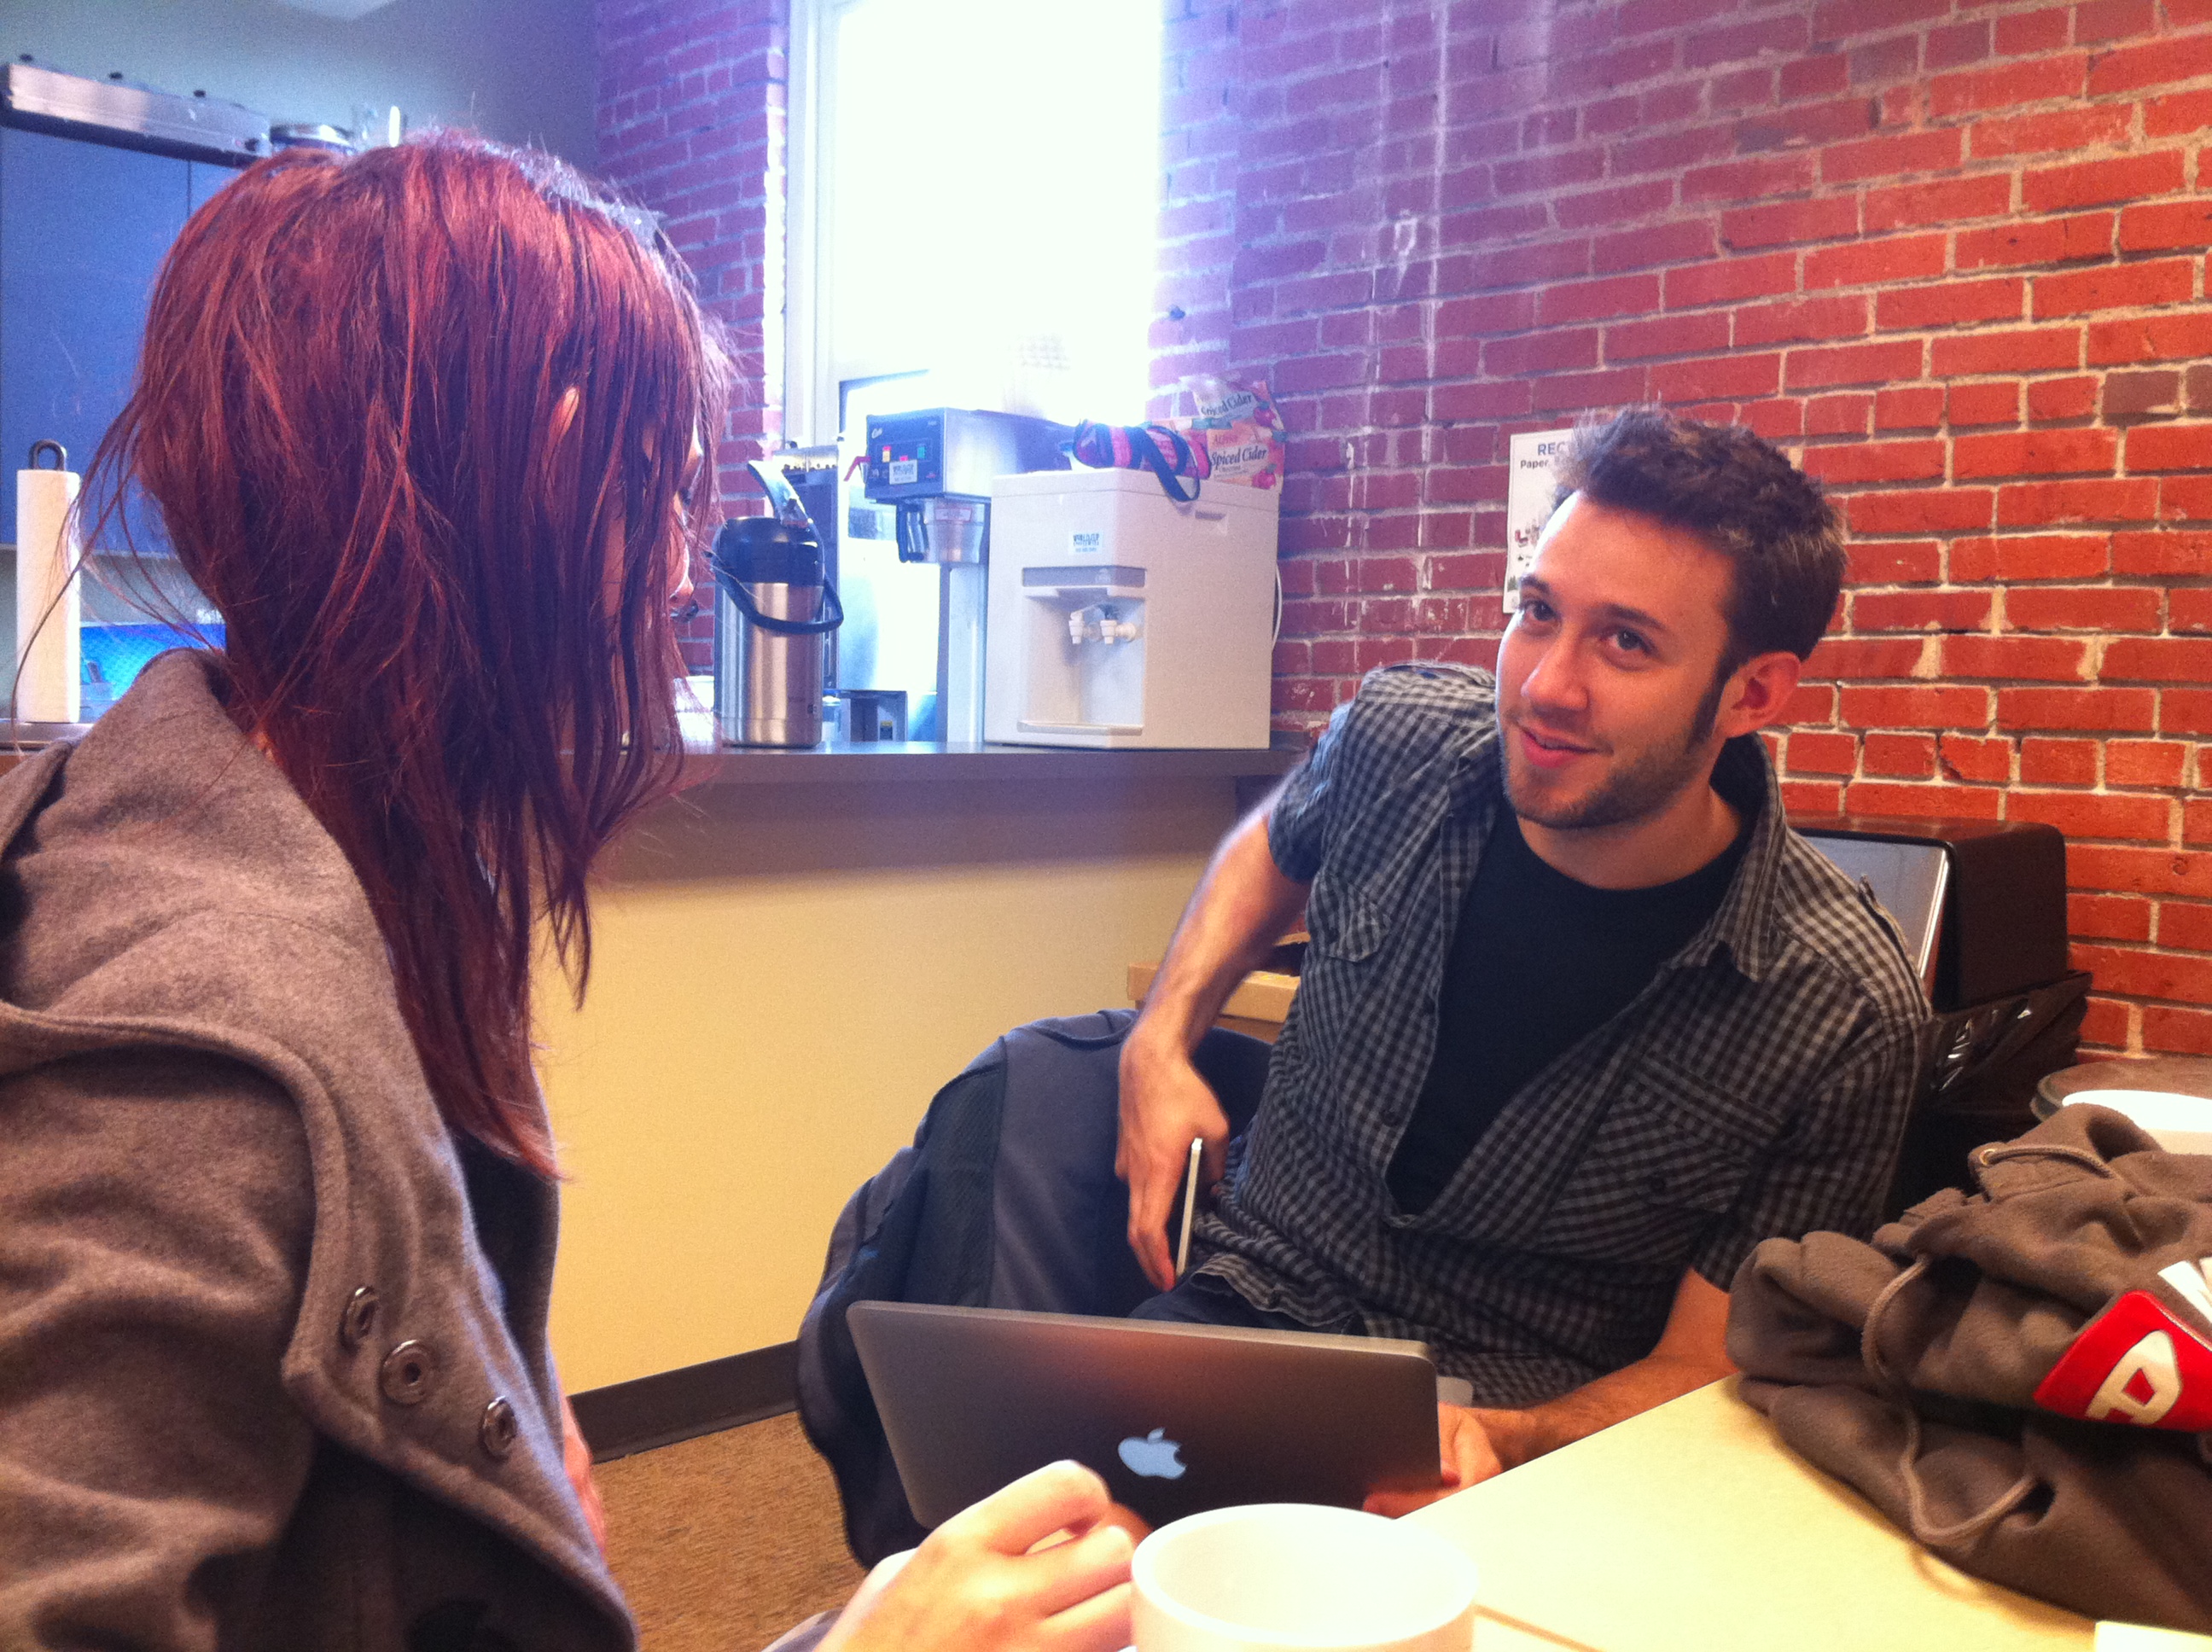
{"x": 1531, "y": 479}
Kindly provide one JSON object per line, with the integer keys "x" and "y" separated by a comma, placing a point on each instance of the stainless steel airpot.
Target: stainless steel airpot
{"x": 774, "y": 608}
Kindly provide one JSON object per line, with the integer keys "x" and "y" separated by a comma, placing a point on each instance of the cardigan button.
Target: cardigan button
{"x": 359, "y": 1318}
{"x": 498, "y": 1431}
{"x": 410, "y": 1371}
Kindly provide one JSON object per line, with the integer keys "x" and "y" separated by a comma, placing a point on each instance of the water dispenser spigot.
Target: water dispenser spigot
{"x": 1100, "y": 623}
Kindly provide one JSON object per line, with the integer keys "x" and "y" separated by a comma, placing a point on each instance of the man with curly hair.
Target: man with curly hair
{"x": 1583, "y": 1020}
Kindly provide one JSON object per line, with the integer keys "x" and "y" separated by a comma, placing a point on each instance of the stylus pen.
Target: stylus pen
{"x": 1189, "y": 1205}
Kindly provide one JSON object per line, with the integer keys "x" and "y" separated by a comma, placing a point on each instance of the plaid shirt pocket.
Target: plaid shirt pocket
{"x": 1665, "y": 1159}
{"x": 1342, "y": 921}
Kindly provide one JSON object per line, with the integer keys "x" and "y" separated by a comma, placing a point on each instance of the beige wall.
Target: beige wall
{"x": 784, "y": 977}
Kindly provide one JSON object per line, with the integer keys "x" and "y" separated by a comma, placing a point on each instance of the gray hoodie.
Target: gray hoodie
{"x": 273, "y": 1361}
{"x": 1951, "y": 1369}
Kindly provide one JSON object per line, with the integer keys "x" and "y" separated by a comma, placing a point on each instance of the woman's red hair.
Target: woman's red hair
{"x": 444, "y": 581}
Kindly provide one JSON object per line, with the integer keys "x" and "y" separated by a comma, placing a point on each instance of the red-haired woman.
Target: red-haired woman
{"x": 276, "y": 1206}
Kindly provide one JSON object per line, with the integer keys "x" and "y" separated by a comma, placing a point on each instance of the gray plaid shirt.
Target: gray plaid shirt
{"x": 1756, "y": 1087}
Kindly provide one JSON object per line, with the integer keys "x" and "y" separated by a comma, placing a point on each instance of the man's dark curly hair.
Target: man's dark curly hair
{"x": 1742, "y": 498}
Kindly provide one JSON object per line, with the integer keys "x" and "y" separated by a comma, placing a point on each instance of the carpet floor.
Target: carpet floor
{"x": 724, "y": 1542}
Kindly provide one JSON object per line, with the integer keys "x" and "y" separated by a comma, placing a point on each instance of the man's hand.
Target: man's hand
{"x": 1692, "y": 1351}
{"x": 1475, "y": 1444}
{"x": 1165, "y": 1105}
{"x": 1243, "y": 905}
{"x": 981, "y": 1583}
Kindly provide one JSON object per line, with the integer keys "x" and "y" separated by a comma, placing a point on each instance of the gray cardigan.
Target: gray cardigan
{"x": 273, "y": 1362}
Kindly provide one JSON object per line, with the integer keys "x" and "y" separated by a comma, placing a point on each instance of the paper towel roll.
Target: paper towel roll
{"x": 49, "y": 682}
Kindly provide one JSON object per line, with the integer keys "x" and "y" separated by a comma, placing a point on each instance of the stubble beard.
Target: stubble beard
{"x": 1637, "y": 791}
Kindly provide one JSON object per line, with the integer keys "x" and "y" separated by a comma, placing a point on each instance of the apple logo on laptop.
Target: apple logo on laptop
{"x": 1152, "y": 1456}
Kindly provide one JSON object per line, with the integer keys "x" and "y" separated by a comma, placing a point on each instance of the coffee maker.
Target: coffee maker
{"x": 936, "y": 467}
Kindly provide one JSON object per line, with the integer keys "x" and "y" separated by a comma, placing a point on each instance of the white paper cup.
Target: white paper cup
{"x": 1271, "y": 1576}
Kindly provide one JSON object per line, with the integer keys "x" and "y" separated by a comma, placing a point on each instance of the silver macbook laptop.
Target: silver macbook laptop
{"x": 1176, "y": 1418}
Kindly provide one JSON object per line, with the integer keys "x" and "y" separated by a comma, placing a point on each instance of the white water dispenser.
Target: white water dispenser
{"x": 1123, "y": 618}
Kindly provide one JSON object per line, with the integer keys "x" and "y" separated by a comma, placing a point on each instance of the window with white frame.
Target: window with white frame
{"x": 975, "y": 191}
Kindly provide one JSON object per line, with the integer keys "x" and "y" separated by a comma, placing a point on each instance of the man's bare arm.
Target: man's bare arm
{"x": 1477, "y": 1443}
{"x": 1242, "y": 906}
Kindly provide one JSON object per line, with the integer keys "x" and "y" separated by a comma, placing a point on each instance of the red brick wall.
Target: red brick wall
{"x": 1951, "y": 253}
{"x": 691, "y": 124}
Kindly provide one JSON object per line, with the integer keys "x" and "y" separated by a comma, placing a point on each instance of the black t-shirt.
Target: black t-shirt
{"x": 1538, "y": 961}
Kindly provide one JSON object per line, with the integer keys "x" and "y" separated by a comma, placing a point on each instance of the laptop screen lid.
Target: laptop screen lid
{"x": 1175, "y": 1418}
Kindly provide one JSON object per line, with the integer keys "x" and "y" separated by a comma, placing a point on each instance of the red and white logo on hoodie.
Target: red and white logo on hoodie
{"x": 2136, "y": 1362}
